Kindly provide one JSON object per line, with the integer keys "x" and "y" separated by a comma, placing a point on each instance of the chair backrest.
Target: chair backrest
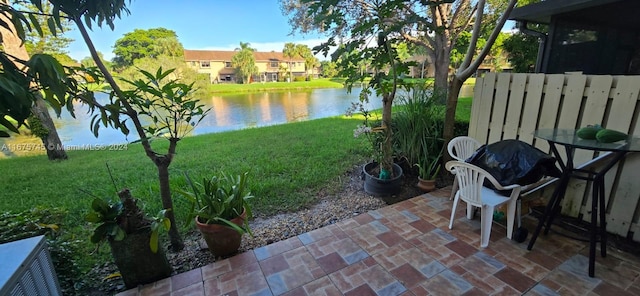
{"x": 461, "y": 148}
{"x": 470, "y": 180}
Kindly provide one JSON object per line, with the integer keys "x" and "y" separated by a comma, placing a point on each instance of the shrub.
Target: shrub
{"x": 298, "y": 78}
{"x": 418, "y": 125}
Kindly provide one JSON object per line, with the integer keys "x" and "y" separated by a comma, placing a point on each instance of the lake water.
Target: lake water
{"x": 232, "y": 112}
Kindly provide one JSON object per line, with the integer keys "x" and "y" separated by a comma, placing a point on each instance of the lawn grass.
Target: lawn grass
{"x": 288, "y": 164}
{"x": 463, "y": 110}
{"x": 274, "y": 86}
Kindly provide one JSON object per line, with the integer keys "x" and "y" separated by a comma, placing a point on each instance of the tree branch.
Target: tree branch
{"x": 466, "y": 73}
{"x": 116, "y": 88}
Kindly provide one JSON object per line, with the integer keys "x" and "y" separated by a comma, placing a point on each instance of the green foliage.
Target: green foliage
{"x": 290, "y": 51}
{"x": 40, "y": 74}
{"x": 459, "y": 52}
{"x": 329, "y": 69}
{"x": 523, "y": 52}
{"x": 245, "y": 62}
{"x": 62, "y": 247}
{"x": 116, "y": 220}
{"x": 369, "y": 129}
{"x": 36, "y": 127}
{"x": 46, "y": 41}
{"x": 220, "y": 199}
{"x": 107, "y": 216}
{"x": 417, "y": 129}
{"x": 88, "y": 62}
{"x": 168, "y": 104}
{"x": 145, "y": 43}
{"x": 310, "y": 61}
{"x": 182, "y": 73}
{"x": 385, "y": 58}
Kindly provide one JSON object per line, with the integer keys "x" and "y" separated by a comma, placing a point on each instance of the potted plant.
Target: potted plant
{"x": 427, "y": 172}
{"x": 372, "y": 56}
{"x": 221, "y": 209}
{"x": 429, "y": 163}
{"x": 133, "y": 238}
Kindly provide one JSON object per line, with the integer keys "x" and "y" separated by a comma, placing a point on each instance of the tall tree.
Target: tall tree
{"x": 523, "y": 52}
{"x": 290, "y": 51}
{"x": 167, "y": 104}
{"x": 471, "y": 62}
{"x": 372, "y": 38}
{"x": 245, "y": 62}
{"x": 145, "y": 43}
{"x": 435, "y": 25}
{"x": 310, "y": 61}
{"x": 40, "y": 122}
{"x": 47, "y": 42}
{"x": 88, "y": 61}
{"x": 328, "y": 69}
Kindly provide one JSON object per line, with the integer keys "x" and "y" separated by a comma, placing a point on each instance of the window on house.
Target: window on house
{"x": 228, "y": 64}
{"x": 274, "y": 65}
{"x": 205, "y": 64}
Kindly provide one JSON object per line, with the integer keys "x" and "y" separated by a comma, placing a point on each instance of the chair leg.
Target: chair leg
{"x": 470, "y": 211}
{"x": 485, "y": 225}
{"x": 454, "y": 188}
{"x": 453, "y": 210}
{"x": 511, "y": 214}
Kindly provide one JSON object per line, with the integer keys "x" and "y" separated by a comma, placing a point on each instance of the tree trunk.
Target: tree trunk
{"x": 162, "y": 162}
{"x": 450, "y": 113}
{"x": 50, "y": 139}
{"x": 165, "y": 194}
{"x": 14, "y": 46}
{"x": 441, "y": 62}
{"x": 387, "y": 145}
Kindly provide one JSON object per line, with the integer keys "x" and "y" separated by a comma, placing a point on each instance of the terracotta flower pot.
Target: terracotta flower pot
{"x": 426, "y": 185}
{"x": 222, "y": 240}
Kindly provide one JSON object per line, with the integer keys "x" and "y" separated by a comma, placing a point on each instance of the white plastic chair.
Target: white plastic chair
{"x": 461, "y": 148}
{"x": 470, "y": 179}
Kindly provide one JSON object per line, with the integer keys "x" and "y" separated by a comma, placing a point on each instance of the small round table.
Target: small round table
{"x": 570, "y": 141}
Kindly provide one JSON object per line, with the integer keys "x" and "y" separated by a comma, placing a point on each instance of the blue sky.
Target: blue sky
{"x": 201, "y": 24}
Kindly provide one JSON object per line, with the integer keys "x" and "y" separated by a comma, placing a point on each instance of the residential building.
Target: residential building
{"x": 272, "y": 66}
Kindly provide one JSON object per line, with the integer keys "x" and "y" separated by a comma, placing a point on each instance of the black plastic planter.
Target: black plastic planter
{"x": 379, "y": 187}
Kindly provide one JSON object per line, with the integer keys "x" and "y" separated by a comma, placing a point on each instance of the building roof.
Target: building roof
{"x": 541, "y": 12}
{"x": 222, "y": 55}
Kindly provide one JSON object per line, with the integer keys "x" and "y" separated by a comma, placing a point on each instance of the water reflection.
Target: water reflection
{"x": 228, "y": 112}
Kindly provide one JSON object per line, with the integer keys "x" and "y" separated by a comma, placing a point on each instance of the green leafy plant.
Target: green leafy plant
{"x": 429, "y": 167}
{"x": 417, "y": 134}
{"x": 106, "y": 215}
{"x": 116, "y": 220}
{"x": 219, "y": 199}
{"x": 370, "y": 129}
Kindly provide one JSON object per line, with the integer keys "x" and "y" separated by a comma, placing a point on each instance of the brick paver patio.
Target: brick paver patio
{"x": 408, "y": 249}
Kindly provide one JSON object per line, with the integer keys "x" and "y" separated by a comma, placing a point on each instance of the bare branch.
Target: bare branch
{"x": 466, "y": 73}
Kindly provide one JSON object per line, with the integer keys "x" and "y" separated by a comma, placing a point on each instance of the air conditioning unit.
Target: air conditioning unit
{"x": 26, "y": 268}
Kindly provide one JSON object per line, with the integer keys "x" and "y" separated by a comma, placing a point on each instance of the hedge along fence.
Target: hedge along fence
{"x": 514, "y": 105}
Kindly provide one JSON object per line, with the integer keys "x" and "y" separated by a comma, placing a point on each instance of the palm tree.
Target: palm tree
{"x": 245, "y": 62}
{"x": 290, "y": 51}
